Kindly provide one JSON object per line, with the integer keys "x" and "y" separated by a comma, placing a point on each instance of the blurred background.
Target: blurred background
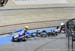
{"x": 15, "y": 14}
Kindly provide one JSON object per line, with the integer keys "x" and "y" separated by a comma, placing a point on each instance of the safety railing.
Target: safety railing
{"x": 70, "y": 33}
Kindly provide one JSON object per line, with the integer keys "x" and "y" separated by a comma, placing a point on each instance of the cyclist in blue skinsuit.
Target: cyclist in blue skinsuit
{"x": 23, "y": 32}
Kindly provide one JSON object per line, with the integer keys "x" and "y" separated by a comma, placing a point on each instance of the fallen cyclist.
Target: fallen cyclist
{"x": 22, "y": 35}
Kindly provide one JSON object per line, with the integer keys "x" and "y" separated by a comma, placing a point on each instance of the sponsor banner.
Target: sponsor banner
{"x": 25, "y": 2}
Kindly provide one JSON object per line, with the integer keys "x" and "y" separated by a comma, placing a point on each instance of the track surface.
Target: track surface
{"x": 57, "y": 43}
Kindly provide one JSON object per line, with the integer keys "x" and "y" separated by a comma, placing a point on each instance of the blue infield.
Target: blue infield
{"x": 7, "y": 39}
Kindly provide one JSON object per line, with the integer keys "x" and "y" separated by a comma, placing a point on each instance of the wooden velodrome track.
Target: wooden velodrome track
{"x": 14, "y": 16}
{"x": 12, "y": 19}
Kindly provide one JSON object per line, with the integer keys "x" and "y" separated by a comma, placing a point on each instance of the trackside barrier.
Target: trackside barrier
{"x": 6, "y": 29}
{"x": 70, "y": 33}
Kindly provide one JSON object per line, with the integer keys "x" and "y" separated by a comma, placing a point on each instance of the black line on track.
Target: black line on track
{"x": 11, "y": 9}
